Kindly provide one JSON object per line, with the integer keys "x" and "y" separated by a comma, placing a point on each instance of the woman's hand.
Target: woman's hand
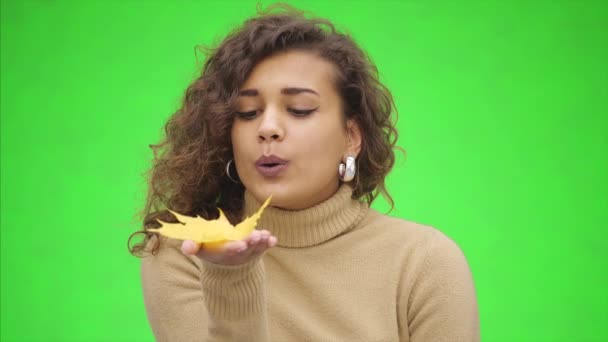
{"x": 233, "y": 252}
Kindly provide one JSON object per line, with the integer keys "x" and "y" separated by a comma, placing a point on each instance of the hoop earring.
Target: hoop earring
{"x": 347, "y": 172}
{"x": 228, "y": 171}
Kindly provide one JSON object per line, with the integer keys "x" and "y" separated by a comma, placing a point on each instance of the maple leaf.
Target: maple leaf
{"x": 209, "y": 232}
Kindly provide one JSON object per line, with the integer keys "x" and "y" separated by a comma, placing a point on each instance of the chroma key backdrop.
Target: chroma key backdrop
{"x": 503, "y": 112}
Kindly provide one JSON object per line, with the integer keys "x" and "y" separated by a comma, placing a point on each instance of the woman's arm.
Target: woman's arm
{"x": 442, "y": 304}
{"x": 188, "y": 299}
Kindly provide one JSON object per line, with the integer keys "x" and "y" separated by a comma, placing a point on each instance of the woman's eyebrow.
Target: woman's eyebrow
{"x": 296, "y": 91}
{"x": 285, "y": 91}
{"x": 249, "y": 92}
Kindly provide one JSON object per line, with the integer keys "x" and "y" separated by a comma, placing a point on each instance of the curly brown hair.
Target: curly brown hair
{"x": 188, "y": 172}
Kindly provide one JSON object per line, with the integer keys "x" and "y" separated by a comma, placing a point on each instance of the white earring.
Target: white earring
{"x": 228, "y": 172}
{"x": 347, "y": 172}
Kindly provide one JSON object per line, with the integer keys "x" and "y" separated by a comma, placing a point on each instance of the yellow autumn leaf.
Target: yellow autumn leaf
{"x": 212, "y": 233}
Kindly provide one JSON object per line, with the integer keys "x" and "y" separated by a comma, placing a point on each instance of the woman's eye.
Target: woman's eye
{"x": 297, "y": 112}
{"x": 247, "y": 115}
{"x": 302, "y": 112}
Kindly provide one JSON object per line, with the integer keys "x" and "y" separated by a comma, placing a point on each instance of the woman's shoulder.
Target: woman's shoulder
{"x": 392, "y": 227}
{"x": 402, "y": 233}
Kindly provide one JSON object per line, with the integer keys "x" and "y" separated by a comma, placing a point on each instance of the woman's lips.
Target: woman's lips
{"x": 270, "y": 166}
{"x": 271, "y": 170}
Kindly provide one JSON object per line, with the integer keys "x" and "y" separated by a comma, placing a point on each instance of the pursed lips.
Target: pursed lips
{"x": 269, "y": 161}
{"x": 271, "y": 166}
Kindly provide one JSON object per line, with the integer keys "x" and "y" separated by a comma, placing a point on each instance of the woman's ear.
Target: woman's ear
{"x": 353, "y": 137}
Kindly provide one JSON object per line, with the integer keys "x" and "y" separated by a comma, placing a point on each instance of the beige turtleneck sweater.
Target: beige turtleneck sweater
{"x": 340, "y": 272}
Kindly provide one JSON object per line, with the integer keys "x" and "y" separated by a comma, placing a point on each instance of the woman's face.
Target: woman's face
{"x": 289, "y": 134}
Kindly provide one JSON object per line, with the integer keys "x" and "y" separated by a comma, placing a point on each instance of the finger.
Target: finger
{"x": 235, "y": 247}
{"x": 254, "y": 238}
{"x": 272, "y": 241}
{"x": 264, "y": 243}
{"x": 190, "y": 247}
{"x": 266, "y": 237}
{"x": 228, "y": 248}
{"x": 259, "y": 249}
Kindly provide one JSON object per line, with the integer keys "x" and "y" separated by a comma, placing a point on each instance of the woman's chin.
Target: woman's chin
{"x": 282, "y": 197}
{"x": 262, "y": 191}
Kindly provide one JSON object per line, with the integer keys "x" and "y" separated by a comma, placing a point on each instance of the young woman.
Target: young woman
{"x": 289, "y": 107}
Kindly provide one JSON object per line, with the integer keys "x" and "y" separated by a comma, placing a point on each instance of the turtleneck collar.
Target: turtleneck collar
{"x": 312, "y": 226}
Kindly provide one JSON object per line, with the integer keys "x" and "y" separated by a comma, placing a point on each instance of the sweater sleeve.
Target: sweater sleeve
{"x": 190, "y": 300}
{"x": 442, "y": 304}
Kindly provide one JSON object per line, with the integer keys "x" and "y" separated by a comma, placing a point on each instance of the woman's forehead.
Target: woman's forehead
{"x": 291, "y": 70}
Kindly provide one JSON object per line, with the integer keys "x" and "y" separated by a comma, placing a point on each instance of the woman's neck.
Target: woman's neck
{"x": 315, "y": 225}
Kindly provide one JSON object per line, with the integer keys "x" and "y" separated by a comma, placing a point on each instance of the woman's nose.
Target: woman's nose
{"x": 271, "y": 127}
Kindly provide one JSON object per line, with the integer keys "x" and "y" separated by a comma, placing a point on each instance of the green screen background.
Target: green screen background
{"x": 503, "y": 113}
